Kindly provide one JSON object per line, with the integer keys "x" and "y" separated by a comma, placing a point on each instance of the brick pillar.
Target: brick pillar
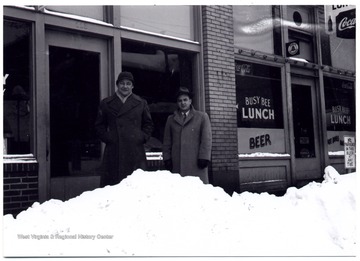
{"x": 220, "y": 94}
{"x": 20, "y": 186}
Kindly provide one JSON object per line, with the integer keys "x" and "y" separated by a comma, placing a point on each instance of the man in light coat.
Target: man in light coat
{"x": 187, "y": 139}
{"x": 124, "y": 124}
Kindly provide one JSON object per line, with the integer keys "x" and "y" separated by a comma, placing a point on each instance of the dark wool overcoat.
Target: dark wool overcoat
{"x": 187, "y": 141}
{"x": 124, "y": 128}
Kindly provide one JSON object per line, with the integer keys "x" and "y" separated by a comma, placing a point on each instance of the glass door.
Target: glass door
{"x": 77, "y": 80}
{"x": 306, "y": 129}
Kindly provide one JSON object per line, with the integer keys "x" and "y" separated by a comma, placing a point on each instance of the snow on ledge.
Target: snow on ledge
{"x": 337, "y": 153}
{"x": 154, "y": 156}
{"x": 95, "y": 21}
{"x": 299, "y": 59}
{"x": 19, "y": 158}
{"x": 157, "y": 34}
{"x": 77, "y": 17}
{"x": 264, "y": 154}
{"x": 24, "y": 7}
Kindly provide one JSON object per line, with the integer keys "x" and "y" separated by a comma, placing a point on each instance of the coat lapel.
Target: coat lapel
{"x": 179, "y": 118}
{"x": 118, "y": 108}
{"x": 115, "y": 105}
{"x": 130, "y": 103}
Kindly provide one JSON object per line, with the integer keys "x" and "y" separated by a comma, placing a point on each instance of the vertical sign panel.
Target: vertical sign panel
{"x": 350, "y": 156}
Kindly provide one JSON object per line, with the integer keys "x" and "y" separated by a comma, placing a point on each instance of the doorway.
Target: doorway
{"x": 306, "y": 130}
{"x": 77, "y": 70}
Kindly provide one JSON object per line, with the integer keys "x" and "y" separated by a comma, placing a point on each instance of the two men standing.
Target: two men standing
{"x": 124, "y": 124}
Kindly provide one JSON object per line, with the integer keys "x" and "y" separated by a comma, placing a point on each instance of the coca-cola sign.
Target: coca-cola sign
{"x": 345, "y": 24}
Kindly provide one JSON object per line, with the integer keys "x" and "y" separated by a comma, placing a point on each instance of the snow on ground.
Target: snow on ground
{"x": 164, "y": 214}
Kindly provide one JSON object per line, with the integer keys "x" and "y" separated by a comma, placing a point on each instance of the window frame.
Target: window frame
{"x": 32, "y": 91}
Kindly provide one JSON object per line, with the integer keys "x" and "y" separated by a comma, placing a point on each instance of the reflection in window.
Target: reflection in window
{"x": 177, "y": 21}
{"x": 17, "y": 88}
{"x": 254, "y": 27}
{"x": 158, "y": 73}
{"x": 339, "y": 104}
{"x": 340, "y": 111}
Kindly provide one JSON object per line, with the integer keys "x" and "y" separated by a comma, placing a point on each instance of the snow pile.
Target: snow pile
{"x": 164, "y": 214}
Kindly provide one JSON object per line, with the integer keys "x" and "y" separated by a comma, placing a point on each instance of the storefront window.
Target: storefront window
{"x": 259, "y": 108}
{"x": 177, "y": 21}
{"x": 158, "y": 73}
{"x": 91, "y": 11}
{"x": 255, "y": 28}
{"x": 17, "y": 87}
{"x": 340, "y": 111}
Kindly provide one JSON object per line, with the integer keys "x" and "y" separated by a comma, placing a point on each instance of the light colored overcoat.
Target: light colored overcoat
{"x": 187, "y": 141}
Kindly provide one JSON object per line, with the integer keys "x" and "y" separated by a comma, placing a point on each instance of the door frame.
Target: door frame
{"x": 78, "y": 41}
{"x": 317, "y": 123}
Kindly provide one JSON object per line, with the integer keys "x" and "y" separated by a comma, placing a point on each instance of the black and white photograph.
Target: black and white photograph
{"x": 179, "y": 131}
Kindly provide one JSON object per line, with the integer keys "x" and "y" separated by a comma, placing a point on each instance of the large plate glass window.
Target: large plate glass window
{"x": 176, "y": 21}
{"x": 259, "y": 108}
{"x": 92, "y": 11}
{"x": 17, "y": 88}
{"x": 257, "y": 28}
{"x": 340, "y": 112}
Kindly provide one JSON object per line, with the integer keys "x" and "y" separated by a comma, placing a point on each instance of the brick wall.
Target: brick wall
{"x": 220, "y": 93}
{"x": 20, "y": 186}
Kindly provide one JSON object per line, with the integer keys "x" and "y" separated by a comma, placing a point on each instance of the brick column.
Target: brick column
{"x": 20, "y": 186}
{"x": 220, "y": 94}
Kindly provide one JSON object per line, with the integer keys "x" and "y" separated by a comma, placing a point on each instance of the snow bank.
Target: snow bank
{"x": 164, "y": 214}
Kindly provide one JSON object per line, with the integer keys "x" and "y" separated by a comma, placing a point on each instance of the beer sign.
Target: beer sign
{"x": 340, "y": 20}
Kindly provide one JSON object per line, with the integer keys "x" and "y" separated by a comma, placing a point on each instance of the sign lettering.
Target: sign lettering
{"x": 341, "y": 17}
{"x": 349, "y": 148}
{"x": 340, "y": 115}
{"x": 346, "y": 22}
{"x": 259, "y": 141}
{"x": 259, "y": 113}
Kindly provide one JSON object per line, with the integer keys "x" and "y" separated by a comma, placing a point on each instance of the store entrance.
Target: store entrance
{"x": 76, "y": 76}
{"x": 306, "y": 130}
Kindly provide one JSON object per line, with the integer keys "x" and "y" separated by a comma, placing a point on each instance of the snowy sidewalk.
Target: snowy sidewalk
{"x": 164, "y": 214}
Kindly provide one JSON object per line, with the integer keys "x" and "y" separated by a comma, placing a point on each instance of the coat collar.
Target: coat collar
{"x": 178, "y": 117}
{"x": 118, "y": 108}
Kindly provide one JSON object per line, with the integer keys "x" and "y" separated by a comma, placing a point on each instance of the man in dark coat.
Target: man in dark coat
{"x": 187, "y": 139}
{"x": 124, "y": 124}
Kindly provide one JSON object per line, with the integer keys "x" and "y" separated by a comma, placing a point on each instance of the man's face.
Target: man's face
{"x": 125, "y": 87}
{"x": 184, "y": 102}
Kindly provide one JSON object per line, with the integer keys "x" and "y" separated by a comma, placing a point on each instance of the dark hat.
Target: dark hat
{"x": 183, "y": 91}
{"x": 125, "y": 76}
